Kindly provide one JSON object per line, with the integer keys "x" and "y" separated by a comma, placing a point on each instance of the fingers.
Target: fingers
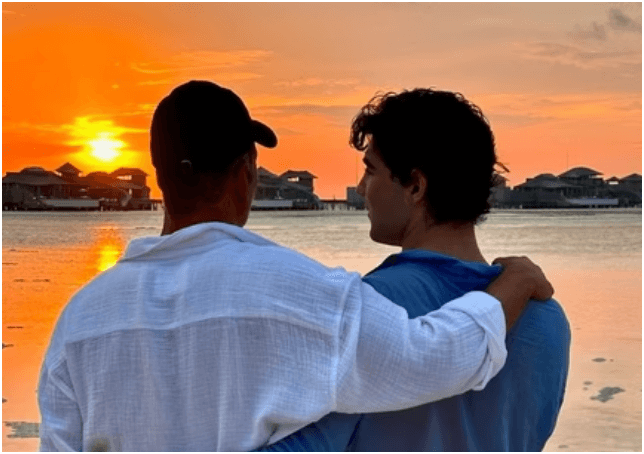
{"x": 543, "y": 291}
{"x": 515, "y": 260}
{"x": 536, "y": 280}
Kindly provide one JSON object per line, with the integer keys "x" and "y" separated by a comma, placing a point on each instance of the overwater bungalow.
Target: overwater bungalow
{"x": 289, "y": 191}
{"x": 35, "y": 188}
{"x": 579, "y": 187}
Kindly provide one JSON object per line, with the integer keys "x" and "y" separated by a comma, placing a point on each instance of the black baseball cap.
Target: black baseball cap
{"x": 204, "y": 125}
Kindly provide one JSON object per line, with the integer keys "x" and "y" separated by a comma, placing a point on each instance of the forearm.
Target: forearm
{"x": 400, "y": 363}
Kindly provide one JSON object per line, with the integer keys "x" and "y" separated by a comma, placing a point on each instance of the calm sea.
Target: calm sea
{"x": 593, "y": 257}
{"x": 578, "y": 238}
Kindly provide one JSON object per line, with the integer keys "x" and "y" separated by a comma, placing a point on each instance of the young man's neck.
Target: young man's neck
{"x": 454, "y": 239}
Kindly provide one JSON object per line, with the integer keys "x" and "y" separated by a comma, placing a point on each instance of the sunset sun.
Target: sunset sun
{"x": 105, "y": 148}
{"x": 100, "y": 142}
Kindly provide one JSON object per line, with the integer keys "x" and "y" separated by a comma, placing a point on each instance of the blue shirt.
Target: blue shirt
{"x": 516, "y": 411}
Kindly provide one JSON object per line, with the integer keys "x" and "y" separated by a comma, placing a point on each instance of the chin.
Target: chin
{"x": 383, "y": 238}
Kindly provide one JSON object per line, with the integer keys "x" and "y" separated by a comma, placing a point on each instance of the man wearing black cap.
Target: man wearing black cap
{"x": 211, "y": 337}
{"x": 199, "y": 133}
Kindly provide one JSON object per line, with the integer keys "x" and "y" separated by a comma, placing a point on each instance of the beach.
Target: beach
{"x": 593, "y": 258}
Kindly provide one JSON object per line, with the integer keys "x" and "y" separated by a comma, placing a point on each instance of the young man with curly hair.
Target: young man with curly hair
{"x": 430, "y": 165}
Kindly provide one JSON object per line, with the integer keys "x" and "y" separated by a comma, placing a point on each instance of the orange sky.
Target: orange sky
{"x": 560, "y": 83}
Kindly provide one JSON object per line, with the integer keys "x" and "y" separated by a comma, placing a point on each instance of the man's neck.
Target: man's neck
{"x": 171, "y": 225}
{"x": 224, "y": 211}
{"x": 454, "y": 239}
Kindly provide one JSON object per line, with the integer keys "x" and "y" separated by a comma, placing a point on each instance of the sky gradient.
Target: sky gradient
{"x": 561, "y": 83}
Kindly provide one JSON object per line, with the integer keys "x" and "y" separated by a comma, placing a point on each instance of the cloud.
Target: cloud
{"x": 87, "y": 127}
{"x": 617, "y": 20}
{"x": 221, "y": 77}
{"x": 221, "y": 65}
{"x": 633, "y": 106}
{"x": 317, "y": 82}
{"x": 332, "y": 111}
{"x": 202, "y": 60}
{"x": 80, "y": 127}
{"x": 287, "y": 132}
{"x": 305, "y": 114}
{"x": 492, "y": 21}
{"x": 24, "y": 126}
{"x": 20, "y": 152}
{"x": 11, "y": 13}
{"x": 596, "y": 31}
{"x": 517, "y": 120}
{"x": 627, "y": 60}
{"x": 523, "y": 110}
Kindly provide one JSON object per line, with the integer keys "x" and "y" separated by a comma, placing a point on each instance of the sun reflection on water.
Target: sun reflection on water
{"x": 108, "y": 256}
{"x": 108, "y": 248}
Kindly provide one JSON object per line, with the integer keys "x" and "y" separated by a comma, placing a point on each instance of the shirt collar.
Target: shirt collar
{"x": 440, "y": 261}
{"x": 190, "y": 238}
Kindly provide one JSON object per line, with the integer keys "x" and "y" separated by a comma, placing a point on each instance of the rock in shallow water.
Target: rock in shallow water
{"x": 22, "y": 429}
{"x": 607, "y": 393}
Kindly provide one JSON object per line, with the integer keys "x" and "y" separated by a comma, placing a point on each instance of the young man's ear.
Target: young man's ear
{"x": 417, "y": 186}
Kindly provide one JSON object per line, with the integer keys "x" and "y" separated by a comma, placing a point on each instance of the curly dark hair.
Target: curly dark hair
{"x": 441, "y": 134}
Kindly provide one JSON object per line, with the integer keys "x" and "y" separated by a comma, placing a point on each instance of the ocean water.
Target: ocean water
{"x": 593, "y": 258}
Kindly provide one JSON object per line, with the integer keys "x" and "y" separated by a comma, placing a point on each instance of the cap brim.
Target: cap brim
{"x": 263, "y": 135}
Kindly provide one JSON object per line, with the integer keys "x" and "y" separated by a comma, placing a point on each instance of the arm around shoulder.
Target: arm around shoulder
{"x": 388, "y": 362}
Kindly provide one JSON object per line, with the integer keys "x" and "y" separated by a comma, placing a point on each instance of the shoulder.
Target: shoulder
{"x": 280, "y": 266}
{"x": 548, "y": 316}
{"x": 417, "y": 288}
{"x": 544, "y": 330}
{"x": 274, "y": 283}
{"x": 89, "y": 306}
{"x": 404, "y": 265}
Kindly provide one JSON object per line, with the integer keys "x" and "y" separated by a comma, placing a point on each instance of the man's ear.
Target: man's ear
{"x": 417, "y": 187}
{"x": 239, "y": 169}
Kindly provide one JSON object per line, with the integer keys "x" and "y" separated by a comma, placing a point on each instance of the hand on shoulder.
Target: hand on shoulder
{"x": 520, "y": 281}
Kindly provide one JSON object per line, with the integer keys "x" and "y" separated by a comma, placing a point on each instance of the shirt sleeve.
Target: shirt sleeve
{"x": 60, "y": 426}
{"x": 387, "y": 362}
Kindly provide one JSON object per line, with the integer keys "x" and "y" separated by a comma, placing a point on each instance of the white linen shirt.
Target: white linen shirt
{"x": 214, "y": 338}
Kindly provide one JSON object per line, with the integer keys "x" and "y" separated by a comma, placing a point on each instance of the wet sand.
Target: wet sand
{"x": 36, "y": 284}
{"x": 602, "y": 408}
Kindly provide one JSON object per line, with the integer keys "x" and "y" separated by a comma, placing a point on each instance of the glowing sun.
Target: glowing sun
{"x": 105, "y": 148}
